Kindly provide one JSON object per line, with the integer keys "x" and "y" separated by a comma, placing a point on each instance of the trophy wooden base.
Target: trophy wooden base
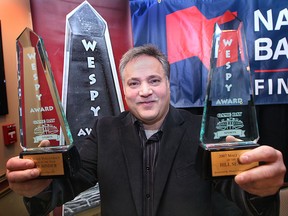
{"x": 222, "y": 161}
{"x": 54, "y": 162}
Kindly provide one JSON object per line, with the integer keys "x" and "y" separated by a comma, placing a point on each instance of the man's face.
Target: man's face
{"x": 146, "y": 90}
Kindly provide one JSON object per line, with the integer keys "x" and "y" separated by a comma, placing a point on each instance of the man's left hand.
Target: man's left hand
{"x": 265, "y": 179}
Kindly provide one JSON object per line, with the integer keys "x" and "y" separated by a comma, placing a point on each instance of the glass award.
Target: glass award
{"x": 229, "y": 108}
{"x": 90, "y": 81}
{"x": 40, "y": 112}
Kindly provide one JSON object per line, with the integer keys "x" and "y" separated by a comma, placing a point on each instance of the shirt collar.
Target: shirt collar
{"x": 139, "y": 123}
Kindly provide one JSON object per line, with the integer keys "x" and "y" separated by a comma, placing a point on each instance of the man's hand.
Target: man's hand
{"x": 265, "y": 179}
{"x": 22, "y": 175}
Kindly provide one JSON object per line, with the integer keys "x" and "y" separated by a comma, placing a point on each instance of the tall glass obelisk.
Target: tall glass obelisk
{"x": 42, "y": 119}
{"x": 229, "y": 108}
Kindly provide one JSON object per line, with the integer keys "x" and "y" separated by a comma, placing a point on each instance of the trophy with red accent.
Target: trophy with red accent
{"x": 229, "y": 108}
{"x": 42, "y": 119}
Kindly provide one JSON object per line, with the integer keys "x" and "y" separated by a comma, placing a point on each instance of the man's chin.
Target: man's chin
{"x": 148, "y": 117}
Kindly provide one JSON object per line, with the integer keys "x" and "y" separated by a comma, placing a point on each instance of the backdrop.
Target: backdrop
{"x": 183, "y": 30}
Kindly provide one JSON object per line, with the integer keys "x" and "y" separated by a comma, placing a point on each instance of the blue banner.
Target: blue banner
{"x": 183, "y": 31}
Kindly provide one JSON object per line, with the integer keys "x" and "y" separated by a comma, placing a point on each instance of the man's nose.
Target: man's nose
{"x": 145, "y": 90}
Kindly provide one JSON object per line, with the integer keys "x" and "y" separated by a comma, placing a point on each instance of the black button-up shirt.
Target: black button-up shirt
{"x": 150, "y": 150}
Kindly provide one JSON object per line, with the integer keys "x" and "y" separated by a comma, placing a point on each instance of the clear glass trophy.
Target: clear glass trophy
{"x": 229, "y": 108}
{"x": 40, "y": 111}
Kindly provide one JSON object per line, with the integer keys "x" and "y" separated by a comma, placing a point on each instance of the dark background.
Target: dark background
{"x": 3, "y": 95}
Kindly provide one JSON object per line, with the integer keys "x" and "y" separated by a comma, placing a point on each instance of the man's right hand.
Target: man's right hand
{"x": 22, "y": 175}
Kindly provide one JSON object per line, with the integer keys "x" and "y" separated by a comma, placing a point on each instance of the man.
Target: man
{"x": 144, "y": 159}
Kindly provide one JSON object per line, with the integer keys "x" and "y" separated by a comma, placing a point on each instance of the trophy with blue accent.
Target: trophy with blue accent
{"x": 229, "y": 108}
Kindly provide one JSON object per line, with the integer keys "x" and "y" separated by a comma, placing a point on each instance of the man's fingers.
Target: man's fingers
{"x": 265, "y": 179}
{"x": 232, "y": 139}
{"x": 264, "y": 154}
{"x": 44, "y": 143}
{"x": 16, "y": 163}
{"x": 22, "y": 176}
{"x": 261, "y": 180}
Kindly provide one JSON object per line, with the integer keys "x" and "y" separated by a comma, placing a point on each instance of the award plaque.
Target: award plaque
{"x": 41, "y": 114}
{"x": 229, "y": 108}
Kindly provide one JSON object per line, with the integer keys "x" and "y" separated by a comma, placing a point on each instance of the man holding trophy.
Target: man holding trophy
{"x": 145, "y": 159}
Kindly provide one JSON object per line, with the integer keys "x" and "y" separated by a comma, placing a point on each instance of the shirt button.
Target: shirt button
{"x": 148, "y": 196}
{"x": 148, "y": 168}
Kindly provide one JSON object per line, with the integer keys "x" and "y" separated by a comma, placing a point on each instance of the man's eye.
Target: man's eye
{"x": 155, "y": 81}
{"x": 133, "y": 84}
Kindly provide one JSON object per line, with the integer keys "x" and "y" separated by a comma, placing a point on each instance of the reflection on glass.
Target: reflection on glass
{"x": 229, "y": 108}
{"x": 41, "y": 113}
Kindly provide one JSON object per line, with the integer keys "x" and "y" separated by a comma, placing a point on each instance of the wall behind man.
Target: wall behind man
{"x": 15, "y": 16}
